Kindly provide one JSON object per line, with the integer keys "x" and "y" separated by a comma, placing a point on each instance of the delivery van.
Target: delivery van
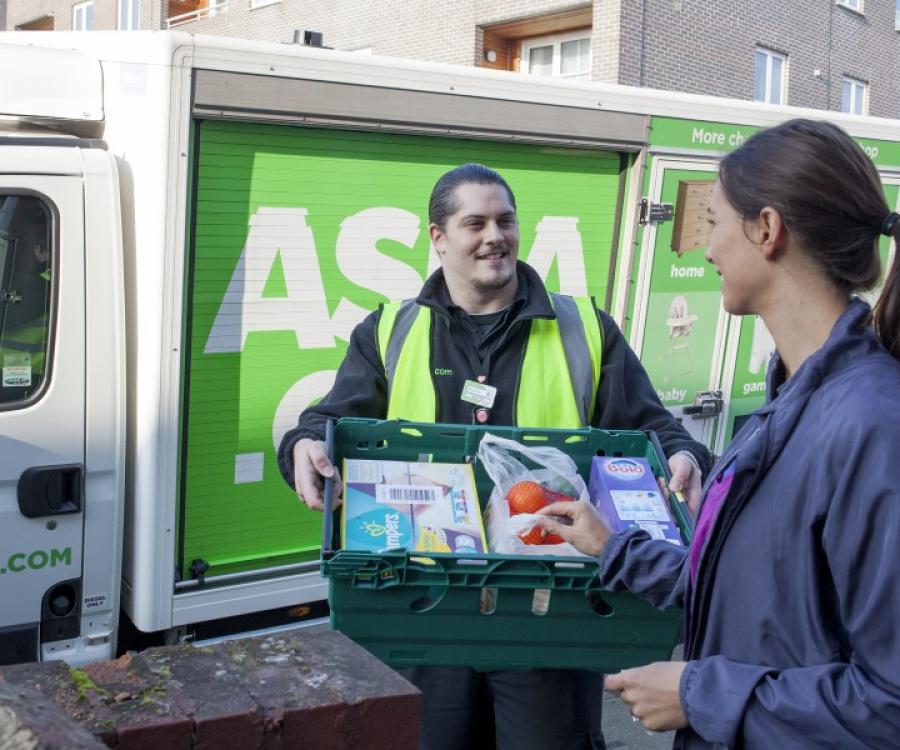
{"x": 190, "y": 228}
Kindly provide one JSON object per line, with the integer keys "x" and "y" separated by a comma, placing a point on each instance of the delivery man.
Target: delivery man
{"x": 485, "y": 343}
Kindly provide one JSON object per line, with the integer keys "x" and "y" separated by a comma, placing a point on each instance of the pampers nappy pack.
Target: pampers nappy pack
{"x": 427, "y": 507}
{"x": 625, "y": 492}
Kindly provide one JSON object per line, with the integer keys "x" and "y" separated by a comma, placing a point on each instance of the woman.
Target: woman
{"x": 791, "y": 588}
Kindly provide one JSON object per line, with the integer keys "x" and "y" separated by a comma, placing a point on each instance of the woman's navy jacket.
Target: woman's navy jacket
{"x": 793, "y": 629}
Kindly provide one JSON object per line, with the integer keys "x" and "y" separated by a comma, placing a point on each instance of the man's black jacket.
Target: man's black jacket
{"x": 461, "y": 351}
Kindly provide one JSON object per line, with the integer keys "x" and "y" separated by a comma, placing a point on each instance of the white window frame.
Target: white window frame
{"x": 254, "y": 4}
{"x": 853, "y": 5}
{"x": 129, "y": 23}
{"x": 855, "y": 86}
{"x": 83, "y": 8}
{"x": 770, "y": 55}
{"x": 897, "y": 15}
{"x": 556, "y": 41}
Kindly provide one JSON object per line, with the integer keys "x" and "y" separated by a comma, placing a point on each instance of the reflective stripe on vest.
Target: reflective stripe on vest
{"x": 560, "y": 370}
{"x": 404, "y": 340}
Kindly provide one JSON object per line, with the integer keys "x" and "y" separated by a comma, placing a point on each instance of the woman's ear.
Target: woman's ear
{"x": 771, "y": 232}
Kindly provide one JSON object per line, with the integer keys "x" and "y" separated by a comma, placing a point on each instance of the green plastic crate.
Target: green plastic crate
{"x": 410, "y": 613}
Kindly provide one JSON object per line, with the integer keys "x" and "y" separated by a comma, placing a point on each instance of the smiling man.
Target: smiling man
{"x": 485, "y": 343}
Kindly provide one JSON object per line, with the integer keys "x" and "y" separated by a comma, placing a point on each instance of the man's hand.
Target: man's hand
{"x": 651, "y": 694}
{"x": 587, "y": 531}
{"x": 311, "y": 466}
{"x": 686, "y": 479}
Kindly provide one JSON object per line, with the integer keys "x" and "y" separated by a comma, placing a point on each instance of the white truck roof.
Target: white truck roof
{"x": 50, "y": 84}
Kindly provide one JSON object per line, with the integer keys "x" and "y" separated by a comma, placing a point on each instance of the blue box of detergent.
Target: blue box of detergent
{"x": 426, "y": 507}
{"x": 627, "y": 495}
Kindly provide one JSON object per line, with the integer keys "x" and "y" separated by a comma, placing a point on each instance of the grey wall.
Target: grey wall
{"x": 708, "y": 48}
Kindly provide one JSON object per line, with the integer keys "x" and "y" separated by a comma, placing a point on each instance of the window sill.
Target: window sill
{"x": 855, "y": 11}
{"x": 257, "y": 4}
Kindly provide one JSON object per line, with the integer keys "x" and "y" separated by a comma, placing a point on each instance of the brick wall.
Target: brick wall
{"x": 606, "y": 41}
{"x": 708, "y": 48}
{"x": 420, "y": 30}
{"x": 105, "y": 17}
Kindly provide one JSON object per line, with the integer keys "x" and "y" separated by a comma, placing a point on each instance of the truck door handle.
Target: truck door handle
{"x": 50, "y": 490}
{"x": 706, "y": 404}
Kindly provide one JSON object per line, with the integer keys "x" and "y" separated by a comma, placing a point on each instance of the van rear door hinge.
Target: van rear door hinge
{"x": 10, "y": 295}
{"x": 658, "y": 212}
{"x": 706, "y": 404}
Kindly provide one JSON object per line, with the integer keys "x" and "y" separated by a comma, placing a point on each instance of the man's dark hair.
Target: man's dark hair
{"x": 443, "y": 201}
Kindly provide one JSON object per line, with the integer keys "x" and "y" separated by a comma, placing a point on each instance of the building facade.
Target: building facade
{"x": 827, "y": 54}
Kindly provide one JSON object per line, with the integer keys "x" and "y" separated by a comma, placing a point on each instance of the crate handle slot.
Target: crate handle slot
{"x": 597, "y": 603}
{"x": 536, "y": 438}
{"x": 576, "y": 439}
{"x": 429, "y": 600}
{"x": 540, "y": 602}
{"x": 487, "y": 601}
{"x": 381, "y": 444}
{"x": 411, "y": 431}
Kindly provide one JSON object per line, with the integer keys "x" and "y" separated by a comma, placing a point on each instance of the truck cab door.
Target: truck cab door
{"x": 42, "y": 414}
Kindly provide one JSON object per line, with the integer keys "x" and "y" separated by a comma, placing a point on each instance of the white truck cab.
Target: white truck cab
{"x": 62, "y": 354}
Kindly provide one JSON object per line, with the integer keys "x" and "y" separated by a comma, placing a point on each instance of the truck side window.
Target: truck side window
{"x": 26, "y": 281}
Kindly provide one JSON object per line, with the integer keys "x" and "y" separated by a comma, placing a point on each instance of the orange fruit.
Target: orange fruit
{"x": 526, "y": 497}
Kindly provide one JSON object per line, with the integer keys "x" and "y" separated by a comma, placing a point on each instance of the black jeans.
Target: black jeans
{"x": 538, "y": 709}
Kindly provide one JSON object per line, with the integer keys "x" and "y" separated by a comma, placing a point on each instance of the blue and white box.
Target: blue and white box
{"x": 627, "y": 495}
{"x": 424, "y": 507}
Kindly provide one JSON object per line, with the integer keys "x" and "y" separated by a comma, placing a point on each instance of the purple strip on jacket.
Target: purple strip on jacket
{"x": 715, "y": 497}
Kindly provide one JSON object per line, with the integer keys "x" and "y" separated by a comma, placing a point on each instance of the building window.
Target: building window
{"x": 897, "y": 16}
{"x": 553, "y": 44}
{"x": 26, "y": 281}
{"x": 129, "y": 15}
{"x": 769, "y": 85}
{"x": 562, "y": 55}
{"x": 854, "y": 96}
{"x": 856, "y": 5}
{"x": 83, "y": 16}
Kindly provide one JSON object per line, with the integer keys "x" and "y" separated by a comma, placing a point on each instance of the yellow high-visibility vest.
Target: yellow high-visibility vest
{"x": 560, "y": 371}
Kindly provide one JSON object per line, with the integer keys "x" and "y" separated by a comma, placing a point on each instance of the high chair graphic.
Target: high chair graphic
{"x": 680, "y": 322}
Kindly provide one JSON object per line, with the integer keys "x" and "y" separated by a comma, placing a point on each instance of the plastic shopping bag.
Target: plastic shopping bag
{"x": 519, "y": 492}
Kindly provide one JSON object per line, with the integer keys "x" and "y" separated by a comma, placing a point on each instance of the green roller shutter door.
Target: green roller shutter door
{"x": 299, "y": 232}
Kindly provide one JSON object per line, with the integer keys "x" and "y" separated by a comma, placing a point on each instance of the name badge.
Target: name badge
{"x": 479, "y": 394}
